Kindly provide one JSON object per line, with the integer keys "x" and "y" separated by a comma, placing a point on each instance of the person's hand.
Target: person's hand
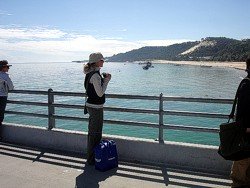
{"x": 108, "y": 76}
{"x": 248, "y": 130}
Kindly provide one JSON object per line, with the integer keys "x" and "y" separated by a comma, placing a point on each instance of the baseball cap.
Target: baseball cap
{"x": 4, "y": 63}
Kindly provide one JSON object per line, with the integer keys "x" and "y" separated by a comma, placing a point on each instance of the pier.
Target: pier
{"x": 56, "y": 154}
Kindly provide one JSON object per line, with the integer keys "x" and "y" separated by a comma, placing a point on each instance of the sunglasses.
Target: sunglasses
{"x": 7, "y": 66}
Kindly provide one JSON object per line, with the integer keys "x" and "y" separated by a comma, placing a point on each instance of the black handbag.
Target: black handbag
{"x": 233, "y": 142}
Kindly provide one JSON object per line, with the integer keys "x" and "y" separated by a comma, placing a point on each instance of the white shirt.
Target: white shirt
{"x": 5, "y": 84}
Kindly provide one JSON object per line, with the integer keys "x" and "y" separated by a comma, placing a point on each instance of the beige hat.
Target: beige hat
{"x": 95, "y": 57}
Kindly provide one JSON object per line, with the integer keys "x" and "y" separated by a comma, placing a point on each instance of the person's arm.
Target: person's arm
{"x": 9, "y": 83}
{"x": 248, "y": 130}
{"x": 97, "y": 82}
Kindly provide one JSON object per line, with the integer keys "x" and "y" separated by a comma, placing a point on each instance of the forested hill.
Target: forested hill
{"x": 208, "y": 49}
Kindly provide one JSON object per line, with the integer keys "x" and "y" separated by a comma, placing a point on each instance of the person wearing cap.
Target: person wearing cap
{"x": 240, "y": 172}
{"x": 95, "y": 85}
{"x": 5, "y": 85}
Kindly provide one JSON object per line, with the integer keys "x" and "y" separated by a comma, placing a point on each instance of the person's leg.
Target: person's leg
{"x": 240, "y": 173}
{"x": 94, "y": 132}
{"x": 3, "y": 102}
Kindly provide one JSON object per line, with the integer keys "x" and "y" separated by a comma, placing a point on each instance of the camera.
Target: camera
{"x": 104, "y": 75}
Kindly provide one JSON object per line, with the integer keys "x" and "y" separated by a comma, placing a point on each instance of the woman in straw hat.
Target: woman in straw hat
{"x": 95, "y": 85}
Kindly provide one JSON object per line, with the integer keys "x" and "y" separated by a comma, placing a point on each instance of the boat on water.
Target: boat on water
{"x": 78, "y": 61}
{"x": 206, "y": 66}
{"x": 147, "y": 66}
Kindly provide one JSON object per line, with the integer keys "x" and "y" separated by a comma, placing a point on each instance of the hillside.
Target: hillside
{"x": 208, "y": 49}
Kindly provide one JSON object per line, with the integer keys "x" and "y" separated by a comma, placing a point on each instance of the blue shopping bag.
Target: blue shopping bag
{"x": 106, "y": 155}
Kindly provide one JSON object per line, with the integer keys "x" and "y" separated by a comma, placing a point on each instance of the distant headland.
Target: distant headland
{"x": 219, "y": 49}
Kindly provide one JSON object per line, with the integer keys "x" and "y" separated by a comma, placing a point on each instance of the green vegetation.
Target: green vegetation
{"x": 208, "y": 49}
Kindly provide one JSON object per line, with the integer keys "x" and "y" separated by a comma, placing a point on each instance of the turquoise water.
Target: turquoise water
{"x": 130, "y": 78}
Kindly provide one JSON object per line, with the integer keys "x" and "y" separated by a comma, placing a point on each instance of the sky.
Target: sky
{"x": 68, "y": 30}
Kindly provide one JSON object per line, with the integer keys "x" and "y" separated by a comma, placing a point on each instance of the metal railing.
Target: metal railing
{"x": 51, "y": 105}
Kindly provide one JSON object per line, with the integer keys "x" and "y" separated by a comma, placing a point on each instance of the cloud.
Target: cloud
{"x": 4, "y": 13}
{"x": 23, "y": 33}
{"x": 42, "y": 44}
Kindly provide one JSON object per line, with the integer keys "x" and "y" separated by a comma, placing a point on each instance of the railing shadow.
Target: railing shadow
{"x": 161, "y": 175}
{"x": 90, "y": 177}
{"x": 172, "y": 176}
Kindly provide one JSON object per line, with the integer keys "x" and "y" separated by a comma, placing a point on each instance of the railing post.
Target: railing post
{"x": 161, "y": 119}
{"x": 51, "y": 110}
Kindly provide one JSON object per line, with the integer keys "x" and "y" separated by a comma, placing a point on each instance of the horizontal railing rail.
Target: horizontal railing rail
{"x": 51, "y": 105}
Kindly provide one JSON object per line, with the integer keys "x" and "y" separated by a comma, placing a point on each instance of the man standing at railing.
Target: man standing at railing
{"x": 240, "y": 173}
{"x": 5, "y": 85}
{"x": 95, "y": 86}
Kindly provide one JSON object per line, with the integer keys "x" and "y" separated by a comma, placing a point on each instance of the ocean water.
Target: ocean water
{"x": 131, "y": 79}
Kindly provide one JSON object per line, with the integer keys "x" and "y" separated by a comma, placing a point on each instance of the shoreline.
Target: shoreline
{"x": 235, "y": 65}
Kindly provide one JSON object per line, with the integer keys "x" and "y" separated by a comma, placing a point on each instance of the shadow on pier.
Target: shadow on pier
{"x": 31, "y": 167}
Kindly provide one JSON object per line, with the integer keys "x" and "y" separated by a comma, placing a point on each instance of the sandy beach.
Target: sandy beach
{"x": 236, "y": 65}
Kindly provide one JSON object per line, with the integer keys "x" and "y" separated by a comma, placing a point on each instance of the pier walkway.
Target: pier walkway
{"x": 26, "y": 167}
